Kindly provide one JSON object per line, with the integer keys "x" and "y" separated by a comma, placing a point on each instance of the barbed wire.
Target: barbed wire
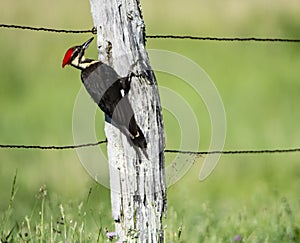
{"x": 66, "y": 147}
{"x": 23, "y": 27}
{"x": 94, "y": 31}
{"x": 208, "y": 38}
{"x": 190, "y": 37}
{"x": 263, "y": 151}
{"x": 51, "y": 147}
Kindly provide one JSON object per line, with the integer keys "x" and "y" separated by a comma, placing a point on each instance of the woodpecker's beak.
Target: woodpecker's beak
{"x": 87, "y": 43}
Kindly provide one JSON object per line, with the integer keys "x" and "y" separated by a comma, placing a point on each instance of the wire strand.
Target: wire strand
{"x": 189, "y": 37}
{"x": 50, "y": 147}
{"x": 12, "y": 26}
{"x": 65, "y": 147}
{"x": 209, "y": 38}
{"x": 264, "y": 151}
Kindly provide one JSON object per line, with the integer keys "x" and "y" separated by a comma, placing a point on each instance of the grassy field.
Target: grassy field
{"x": 248, "y": 198}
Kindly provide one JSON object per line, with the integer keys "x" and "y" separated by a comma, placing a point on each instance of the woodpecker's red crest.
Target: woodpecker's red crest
{"x": 68, "y": 57}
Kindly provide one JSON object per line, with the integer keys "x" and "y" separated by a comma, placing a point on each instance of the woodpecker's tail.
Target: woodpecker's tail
{"x": 139, "y": 139}
{"x": 137, "y": 136}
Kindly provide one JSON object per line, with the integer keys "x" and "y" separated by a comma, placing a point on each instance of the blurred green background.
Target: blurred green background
{"x": 259, "y": 84}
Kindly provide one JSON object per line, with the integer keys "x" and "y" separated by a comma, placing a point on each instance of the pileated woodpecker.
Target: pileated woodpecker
{"x": 109, "y": 91}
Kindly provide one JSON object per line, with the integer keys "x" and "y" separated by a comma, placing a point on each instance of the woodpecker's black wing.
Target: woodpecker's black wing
{"x": 108, "y": 91}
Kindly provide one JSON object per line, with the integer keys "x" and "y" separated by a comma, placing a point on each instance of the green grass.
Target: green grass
{"x": 53, "y": 221}
{"x": 275, "y": 220}
{"x": 254, "y": 196}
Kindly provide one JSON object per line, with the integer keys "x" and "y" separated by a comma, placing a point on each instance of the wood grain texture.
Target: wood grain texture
{"x": 138, "y": 187}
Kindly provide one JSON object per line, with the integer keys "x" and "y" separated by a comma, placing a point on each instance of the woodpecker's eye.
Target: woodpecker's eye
{"x": 75, "y": 53}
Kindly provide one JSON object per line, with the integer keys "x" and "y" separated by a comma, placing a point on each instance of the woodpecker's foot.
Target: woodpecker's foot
{"x": 141, "y": 70}
{"x": 145, "y": 75}
{"x": 134, "y": 69}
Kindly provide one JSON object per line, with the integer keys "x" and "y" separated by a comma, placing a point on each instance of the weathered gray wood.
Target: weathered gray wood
{"x": 138, "y": 188}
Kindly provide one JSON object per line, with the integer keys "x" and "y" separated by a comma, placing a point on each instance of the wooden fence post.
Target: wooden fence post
{"x": 138, "y": 188}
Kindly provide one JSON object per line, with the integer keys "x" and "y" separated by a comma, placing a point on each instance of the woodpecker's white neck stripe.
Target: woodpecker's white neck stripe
{"x": 82, "y": 63}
